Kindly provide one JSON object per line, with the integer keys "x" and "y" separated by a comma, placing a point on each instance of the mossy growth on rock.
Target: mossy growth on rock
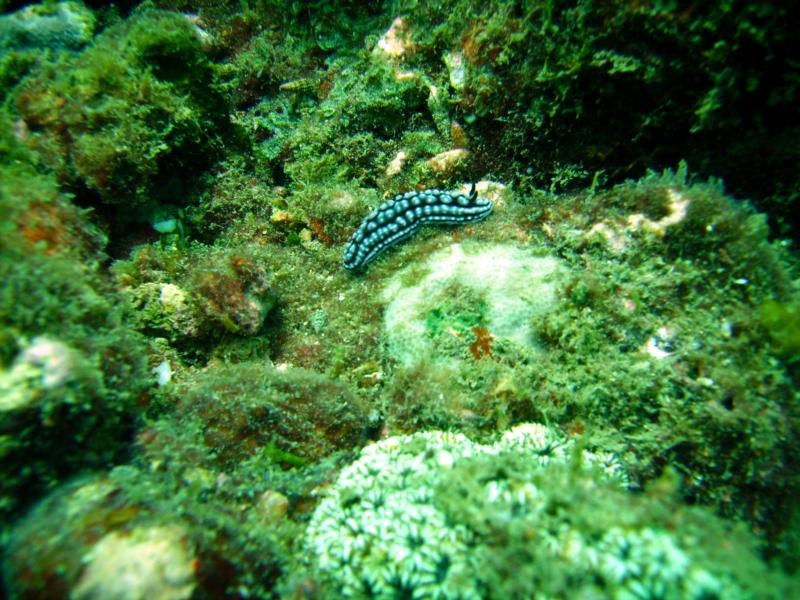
{"x": 198, "y": 297}
{"x": 292, "y": 416}
{"x": 72, "y": 372}
{"x": 561, "y": 91}
{"x": 126, "y": 115}
{"x": 51, "y": 25}
{"x": 462, "y": 288}
{"x": 38, "y": 34}
{"x": 369, "y": 112}
{"x": 658, "y": 342}
{"x": 782, "y": 321}
{"x": 168, "y": 532}
{"x": 457, "y": 329}
{"x": 648, "y": 334}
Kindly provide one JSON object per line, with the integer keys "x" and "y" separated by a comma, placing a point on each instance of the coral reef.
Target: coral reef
{"x": 435, "y": 515}
{"x": 191, "y": 385}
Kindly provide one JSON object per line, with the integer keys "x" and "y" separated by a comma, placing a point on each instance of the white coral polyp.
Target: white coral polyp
{"x": 379, "y": 532}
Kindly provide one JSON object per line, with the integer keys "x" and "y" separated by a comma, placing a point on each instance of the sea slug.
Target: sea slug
{"x": 400, "y": 217}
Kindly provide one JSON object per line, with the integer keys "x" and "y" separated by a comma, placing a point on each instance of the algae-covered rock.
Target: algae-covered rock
{"x": 782, "y": 321}
{"x": 652, "y": 319}
{"x": 72, "y": 373}
{"x": 293, "y": 416}
{"x": 136, "y": 534}
{"x": 165, "y": 310}
{"x": 569, "y": 91}
{"x": 43, "y": 366}
{"x": 59, "y": 413}
{"x": 197, "y": 296}
{"x": 145, "y": 563}
{"x": 55, "y": 25}
{"x": 658, "y": 340}
{"x": 128, "y": 114}
{"x": 499, "y": 287}
{"x": 458, "y": 329}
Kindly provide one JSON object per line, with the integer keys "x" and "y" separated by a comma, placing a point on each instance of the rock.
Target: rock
{"x": 445, "y": 163}
{"x": 65, "y": 25}
{"x": 150, "y": 563}
{"x": 509, "y": 284}
{"x": 272, "y": 506}
{"x": 396, "y": 42}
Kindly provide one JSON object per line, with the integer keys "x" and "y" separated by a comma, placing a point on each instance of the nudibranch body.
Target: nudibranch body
{"x": 401, "y": 217}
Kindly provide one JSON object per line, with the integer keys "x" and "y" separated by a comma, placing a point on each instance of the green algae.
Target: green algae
{"x": 668, "y": 340}
{"x": 460, "y": 312}
{"x": 120, "y": 117}
{"x": 782, "y": 321}
{"x": 73, "y": 371}
{"x": 291, "y": 416}
{"x": 196, "y": 296}
{"x": 568, "y": 89}
{"x": 222, "y": 547}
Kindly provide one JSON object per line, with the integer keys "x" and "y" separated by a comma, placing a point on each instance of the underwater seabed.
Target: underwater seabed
{"x": 540, "y": 371}
{"x": 636, "y": 322}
